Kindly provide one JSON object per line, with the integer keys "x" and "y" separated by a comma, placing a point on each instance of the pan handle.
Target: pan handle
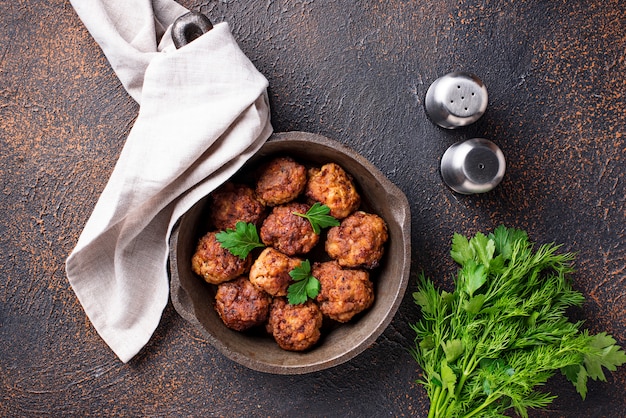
{"x": 188, "y": 27}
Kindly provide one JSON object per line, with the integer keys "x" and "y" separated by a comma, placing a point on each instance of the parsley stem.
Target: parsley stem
{"x": 466, "y": 373}
{"x": 490, "y": 399}
{"x": 444, "y": 408}
{"x": 433, "y": 410}
{"x": 469, "y": 365}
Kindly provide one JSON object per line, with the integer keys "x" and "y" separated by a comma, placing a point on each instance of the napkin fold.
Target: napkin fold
{"x": 203, "y": 112}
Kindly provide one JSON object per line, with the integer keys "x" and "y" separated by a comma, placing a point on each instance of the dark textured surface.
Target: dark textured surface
{"x": 353, "y": 71}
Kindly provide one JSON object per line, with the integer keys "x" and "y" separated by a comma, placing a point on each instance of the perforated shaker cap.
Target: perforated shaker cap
{"x": 457, "y": 99}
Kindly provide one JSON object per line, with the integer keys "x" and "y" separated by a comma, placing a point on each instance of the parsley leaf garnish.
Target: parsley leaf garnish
{"x": 318, "y": 216}
{"x": 241, "y": 240}
{"x": 305, "y": 285}
{"x": 504, "y": 330}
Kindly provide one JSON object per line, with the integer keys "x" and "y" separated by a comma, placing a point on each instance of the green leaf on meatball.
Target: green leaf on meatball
{"x": 305, "y": 285}
{"x": 241, "y": 240}
{"x": 318, "y": 216}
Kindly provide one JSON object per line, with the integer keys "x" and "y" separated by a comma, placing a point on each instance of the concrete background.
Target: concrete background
{"x": 357, "y": 72}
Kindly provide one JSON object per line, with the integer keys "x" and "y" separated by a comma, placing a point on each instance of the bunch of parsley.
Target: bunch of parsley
{"x": 485, "y": 347}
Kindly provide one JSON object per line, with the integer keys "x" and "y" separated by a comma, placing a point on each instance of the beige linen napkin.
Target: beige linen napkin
{"x": 203, "y": 113}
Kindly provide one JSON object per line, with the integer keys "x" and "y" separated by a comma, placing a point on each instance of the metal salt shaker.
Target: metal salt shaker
{"x": 457, "y": 99}
{"x": 473, "y": 166}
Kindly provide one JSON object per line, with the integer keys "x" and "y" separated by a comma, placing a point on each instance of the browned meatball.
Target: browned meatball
{"x": 344, "y": 292}
{"x": 358, "y": 241}
{"x": 232, "y": 203}
{"x": 294, "y": 327}
{"x": 270, "y": 271}
{"x": 216, "y": 264}
{"x": 333, "y": 187}
{"x": 288, "y": 233}
{"x": 280, "y": 181}
{"x": 241, "y": 305}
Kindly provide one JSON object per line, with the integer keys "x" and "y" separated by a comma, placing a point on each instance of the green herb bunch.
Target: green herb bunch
{"x": 503, "y": 331}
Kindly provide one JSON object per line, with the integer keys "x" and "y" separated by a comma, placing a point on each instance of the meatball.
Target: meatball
{"x": 333, "y": 187}
{"x": 216, "y": 264}
{"x": 270, "y": 271}
{"x": 241, "y": 305}
{"x": 280, "y": 181}
{"x": 232, "y": 203}
{"x": 295, "y": 327}
{"x": 344, "y": 292}
{"x": 288, "y": 233}
{"x": 358, "y": 241}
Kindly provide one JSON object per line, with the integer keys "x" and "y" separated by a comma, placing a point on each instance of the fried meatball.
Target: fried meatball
{"x": 333, "y": 187}
{"x": 358, "y": 241}
{"x": 232, "y": 203}
{"x": 241, "y": 305}
{"x": 280, "y": 181}
{"x": 270, "y": 271}
{"x": 288, "y": 233}
{"x": 216, "y": 264}
{"x": 294, "y": 327}
{"x": 344, "y": 292}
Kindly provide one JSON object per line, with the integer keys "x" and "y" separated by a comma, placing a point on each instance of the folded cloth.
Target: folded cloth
{"x": 203, "y": 112}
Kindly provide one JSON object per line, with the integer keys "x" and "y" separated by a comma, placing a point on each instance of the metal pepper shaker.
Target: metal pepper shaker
{"x": 457, "y": 99}
{"x": 473, "y": 166}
